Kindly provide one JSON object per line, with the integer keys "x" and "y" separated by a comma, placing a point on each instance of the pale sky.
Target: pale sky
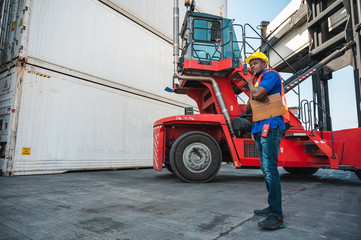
{"x": 341, "y": 86}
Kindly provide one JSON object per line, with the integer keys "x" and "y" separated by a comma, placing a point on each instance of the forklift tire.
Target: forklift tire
{"x": 195, "y": 157}
{"x": 169, "y": 168}
{"x": 358, "y": 173}
{"x": 301, "y": 170}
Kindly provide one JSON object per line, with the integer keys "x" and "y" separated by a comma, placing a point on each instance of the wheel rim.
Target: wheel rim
{"x": 197, "y": 157}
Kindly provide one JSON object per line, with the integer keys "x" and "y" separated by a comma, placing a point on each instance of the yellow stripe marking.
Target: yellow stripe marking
{"x": 39, "y": 74}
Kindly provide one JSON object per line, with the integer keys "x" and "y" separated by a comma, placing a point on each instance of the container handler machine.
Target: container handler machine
{"x": 210, "y": 71}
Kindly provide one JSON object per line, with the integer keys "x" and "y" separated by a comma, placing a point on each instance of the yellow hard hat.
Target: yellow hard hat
{"x": 258, "y": 55}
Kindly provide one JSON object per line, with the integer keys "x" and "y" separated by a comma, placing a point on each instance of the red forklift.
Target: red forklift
{"x": 210, "y": 71}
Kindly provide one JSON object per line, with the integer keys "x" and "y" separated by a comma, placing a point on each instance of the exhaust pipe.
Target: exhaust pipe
{"x": 215, "y": 86}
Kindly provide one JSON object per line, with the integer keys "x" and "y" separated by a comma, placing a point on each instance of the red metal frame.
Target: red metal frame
{"x": 158, "y": 147}
{"x": 292, "y": 152}
{"x": 242, "y": 150}
{"x": 214, "y": 66}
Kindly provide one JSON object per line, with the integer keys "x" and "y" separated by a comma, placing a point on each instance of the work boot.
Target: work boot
{"x": 272, "y": 222}
{"x": 263, "y": 212}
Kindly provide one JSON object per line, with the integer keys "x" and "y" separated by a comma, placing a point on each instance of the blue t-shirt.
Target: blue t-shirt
{"x": 272, "y": 83}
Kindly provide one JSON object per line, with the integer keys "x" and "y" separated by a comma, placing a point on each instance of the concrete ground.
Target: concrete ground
{"x": 145, "y": 204}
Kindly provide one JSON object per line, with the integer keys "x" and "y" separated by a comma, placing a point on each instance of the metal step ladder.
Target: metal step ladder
{"x": 316, "y": 146}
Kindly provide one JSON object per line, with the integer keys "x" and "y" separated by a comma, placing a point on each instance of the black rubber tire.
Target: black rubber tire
{"x": 202, "y": 149}
{"x": 169, "y": 168}
{"x": 301, "y": 170}
{"x": 358, "y": 173}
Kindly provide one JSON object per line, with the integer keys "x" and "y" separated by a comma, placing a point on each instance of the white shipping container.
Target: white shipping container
{"x": 158, "y": 14}
{"x": 91, "y": 38}
{"x": 67, "y": 123}
{"x": 82, "y": 82}
{"x": 100, "y": 42}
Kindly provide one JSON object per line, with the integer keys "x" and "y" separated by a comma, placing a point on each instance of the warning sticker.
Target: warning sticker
{"x": 26, "y": 151}
{"x": 13, "y": 26}
{"x": 6, "y": 84}
{"x": 39, "y": 74}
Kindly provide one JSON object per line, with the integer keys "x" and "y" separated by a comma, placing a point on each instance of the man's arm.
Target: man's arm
{"x": 258, "y": 93}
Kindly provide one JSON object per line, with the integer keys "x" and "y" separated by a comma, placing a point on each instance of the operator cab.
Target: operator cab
{"x": 209, "y": 45}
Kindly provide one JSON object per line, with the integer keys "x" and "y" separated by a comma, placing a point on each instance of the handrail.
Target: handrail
{"x": 307, "y": 107}
{"x": 245, "y": 43}
{"x": 304, "y": 108}
{"x": 294, "y": 70}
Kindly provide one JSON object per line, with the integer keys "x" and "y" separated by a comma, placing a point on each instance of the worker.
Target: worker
{"x": 263, "y": 83}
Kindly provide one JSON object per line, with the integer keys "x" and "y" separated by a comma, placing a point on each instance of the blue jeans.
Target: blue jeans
{"x": 268, "y": 154}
